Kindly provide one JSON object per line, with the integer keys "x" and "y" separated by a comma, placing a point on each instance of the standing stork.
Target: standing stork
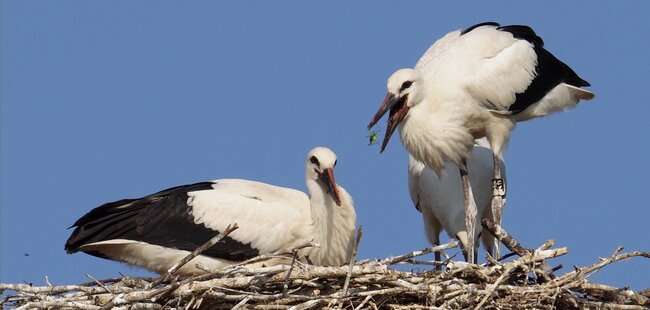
{"x": 157, "y": 231}
{"x": 440, "y": 198}
{"x": 478, "y": 82}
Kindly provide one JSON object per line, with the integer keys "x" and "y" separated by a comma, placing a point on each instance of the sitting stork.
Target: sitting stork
{"x": 157, "y": 231}
{"x": 474, "y": 83}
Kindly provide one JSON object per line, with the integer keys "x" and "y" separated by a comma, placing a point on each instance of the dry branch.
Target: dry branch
{"x": 230, "y": 228}
{"x": 502, "y": 235}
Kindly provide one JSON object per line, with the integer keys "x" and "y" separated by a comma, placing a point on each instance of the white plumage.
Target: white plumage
{"x": 156, "y": 231}
{"x": 440, "y": 198}
{"x": 476, "y": 83}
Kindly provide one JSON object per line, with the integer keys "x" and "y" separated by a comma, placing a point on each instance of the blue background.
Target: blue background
{"x": 109, "y": 100}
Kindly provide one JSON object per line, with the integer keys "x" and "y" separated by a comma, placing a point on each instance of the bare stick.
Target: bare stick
{"x": 263, "y": 257}
{"x": 420, "y": 262}
{"x": 241, "y": 303}
{"x": 99, "y": 283}
{"x": 26, "y": 288}
{"x": 48, "y": 304}
{"x": 232, "y": 227}
{"x": 494, "y": 286}
{"x": 611, "y": 293}
{"x": 137, "y": 296}
{"x": 306, "y": 305}
{"x": 546, "y": 245}
{"x": 285, "y": 287}
{"x": 442, "y": 247}
{"x": 570, "y": 276}
{"x": 511, "y": 243}
{"x": 506, "y": 256}
{"x": 352, "y": 259}
{"x": 363, "y": 302}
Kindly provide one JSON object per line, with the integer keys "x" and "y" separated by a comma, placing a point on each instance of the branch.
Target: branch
{"x": 439, "y": 248}
{"x": 511, "y": 243}
{"x": 352, "y": 260}
{"x": 232, "y": 227}
{"x": 585, "y": 271}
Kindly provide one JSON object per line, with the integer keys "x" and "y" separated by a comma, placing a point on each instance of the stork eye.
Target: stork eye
{"x": 314, "y": 161}
{"x": 336, "y": 161}
{"x": 406, "y": 85}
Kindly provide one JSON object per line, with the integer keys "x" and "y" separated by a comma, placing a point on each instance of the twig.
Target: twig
{"x": 263, "y": 257}
{"x": 420, "y": 262}
{"x": 506, "y": 256}
{"x": 363, "y": 302}
{"x": 285, "y": 287}
{"x": 99, "y": 283}
{"x": 47, "y": 304}
{"x": 230, "y": 228}
{"x": 241, "y": 303}
{"x": 137, "y": 296}
{"x": 568, "y": 277}
{"x": 446, "y": 246}
{"x": 114, "y": 280}
{"x": 352, "y": 260}
{"x": 50, "y": 290}
{"x": 546, "y": 245}
{"x": 497, "y": 231}
{"x": 494, "y": 286}
{"x": 306, "y": 305}
{"x": 611, "y": 293}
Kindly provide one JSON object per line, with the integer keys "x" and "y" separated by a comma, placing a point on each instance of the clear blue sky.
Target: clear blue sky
{"x": 110, "y": 100}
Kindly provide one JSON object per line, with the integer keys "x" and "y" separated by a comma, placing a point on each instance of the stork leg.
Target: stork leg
{"x": 470, "y": 212}
{"x": 498, "y": 199}
{"x": 436, "y": 254}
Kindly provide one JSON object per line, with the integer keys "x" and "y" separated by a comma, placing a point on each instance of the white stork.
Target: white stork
{"x": 478, "y": 82}
{"x": 440, "y": 198}
{"x": 157, "y": 231}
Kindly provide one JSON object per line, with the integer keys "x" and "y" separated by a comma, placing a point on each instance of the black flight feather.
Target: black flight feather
{"x": 549, "y": 70}
{"x": 163, "y": 219}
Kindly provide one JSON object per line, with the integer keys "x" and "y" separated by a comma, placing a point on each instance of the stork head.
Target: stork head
{"x": 403, "y": 93}
{"x": 320, "y": 168}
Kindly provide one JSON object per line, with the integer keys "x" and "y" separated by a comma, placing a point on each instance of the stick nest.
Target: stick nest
{"x": 524, "y": 282}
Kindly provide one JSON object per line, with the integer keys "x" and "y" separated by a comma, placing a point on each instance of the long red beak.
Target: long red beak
{"x": 327, "y": 178}
{"x": 398, "y": 110}
{"x": 388, "y": 103}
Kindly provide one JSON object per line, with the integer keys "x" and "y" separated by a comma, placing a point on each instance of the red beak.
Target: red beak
{"x": 327, "y": 178}
{"x": 398, "y": 110}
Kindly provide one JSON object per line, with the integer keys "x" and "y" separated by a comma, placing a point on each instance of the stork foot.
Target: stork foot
{"x": 497, "y": 210}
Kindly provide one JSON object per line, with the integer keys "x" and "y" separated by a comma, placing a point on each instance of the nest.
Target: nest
{"x": 522, "y": 281}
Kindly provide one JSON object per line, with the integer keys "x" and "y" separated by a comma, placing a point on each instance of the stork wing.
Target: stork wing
{"x": 185, "y": 217}
{"x": 504, "y": 68}
{"x": 270, "y": 218}
{"x": 415, "y": 170}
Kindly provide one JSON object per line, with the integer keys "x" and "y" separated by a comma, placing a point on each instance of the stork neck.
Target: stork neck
{"x": 333, "y": 226}
{"x": 322, "y": 209}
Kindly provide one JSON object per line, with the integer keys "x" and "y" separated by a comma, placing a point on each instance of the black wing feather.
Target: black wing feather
{"x": 163, "y": 218}
{"x": 478, "y": 25}
{"x": 523, "y": 32}
{"x": 550, "y": 71}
